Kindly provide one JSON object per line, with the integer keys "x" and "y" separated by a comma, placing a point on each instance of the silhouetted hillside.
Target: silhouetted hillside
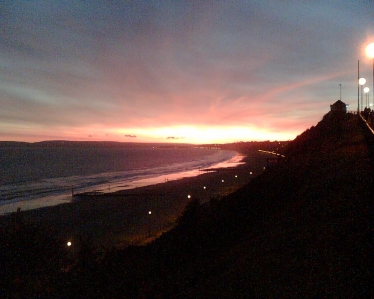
{"x": 302, "y": 229}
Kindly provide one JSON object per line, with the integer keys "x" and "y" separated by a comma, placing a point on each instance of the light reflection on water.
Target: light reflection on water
{"x": 7, "y": 207}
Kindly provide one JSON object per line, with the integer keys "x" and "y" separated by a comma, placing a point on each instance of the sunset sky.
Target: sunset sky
{"x": 178, "y": 71}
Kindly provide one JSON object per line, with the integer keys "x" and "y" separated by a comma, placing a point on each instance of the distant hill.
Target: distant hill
{"x": 67, "y": 143}
{"x": 13, "y": 144}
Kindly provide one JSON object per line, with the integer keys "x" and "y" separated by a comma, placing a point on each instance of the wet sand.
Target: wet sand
{"x": 135, "y": 216}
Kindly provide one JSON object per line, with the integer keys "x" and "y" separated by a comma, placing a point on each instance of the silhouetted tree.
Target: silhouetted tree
{"x": 189, "y": 213}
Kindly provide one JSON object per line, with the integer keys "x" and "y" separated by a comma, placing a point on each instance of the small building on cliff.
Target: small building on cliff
{"x": 339, "y": 107}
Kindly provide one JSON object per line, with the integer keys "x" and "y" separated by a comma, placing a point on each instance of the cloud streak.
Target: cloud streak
{"x": 71, "y": 68}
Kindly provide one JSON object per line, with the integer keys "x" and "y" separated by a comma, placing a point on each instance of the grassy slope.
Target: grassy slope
{"x": 300, "y": 230}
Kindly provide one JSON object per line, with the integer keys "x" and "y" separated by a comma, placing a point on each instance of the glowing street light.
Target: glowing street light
{"x": 366, "y": 91}
{"x": 370, "y": 50}
{"x": 362, "y": 82}
{"x": 68, "y": 244}
{"x": 370, "y": 53}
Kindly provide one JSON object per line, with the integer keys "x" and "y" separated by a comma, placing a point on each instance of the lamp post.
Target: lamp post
{"x": 149, "y": 223}
{"x": 362, "y": 82}
{"x": 370, "y": 53}
{"x": 366, "y": 91}
{"x": 340, "y": 89}
{"x": 358, "y": 87}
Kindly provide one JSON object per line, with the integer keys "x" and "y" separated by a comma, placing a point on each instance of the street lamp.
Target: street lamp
{"x": 362, "y": 82}
{"x": 366, "y": 91}
{"x": 370, "y": 53}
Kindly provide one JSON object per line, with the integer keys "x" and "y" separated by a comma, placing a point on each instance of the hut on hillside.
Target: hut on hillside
{"x": 338, "y": 106}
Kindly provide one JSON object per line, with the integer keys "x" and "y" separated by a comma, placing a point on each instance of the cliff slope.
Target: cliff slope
{"x": 303, "y": 229}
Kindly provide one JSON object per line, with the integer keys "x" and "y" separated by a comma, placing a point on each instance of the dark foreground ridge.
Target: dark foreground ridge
{"x": 302, "y": 229}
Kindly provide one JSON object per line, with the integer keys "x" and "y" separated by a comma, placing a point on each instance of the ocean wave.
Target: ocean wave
{"x": 55, "y": 190}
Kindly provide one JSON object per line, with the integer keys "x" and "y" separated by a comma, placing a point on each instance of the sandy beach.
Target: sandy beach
{"x": 138, "y": 215}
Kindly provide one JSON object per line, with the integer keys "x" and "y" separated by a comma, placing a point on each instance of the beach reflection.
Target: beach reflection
{"x": 233, "y": 162}
{"x": 47, "y": 201}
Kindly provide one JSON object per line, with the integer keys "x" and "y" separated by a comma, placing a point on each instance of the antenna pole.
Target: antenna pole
{"x": 358, "y": 87}
{"x": 340, "y": 86}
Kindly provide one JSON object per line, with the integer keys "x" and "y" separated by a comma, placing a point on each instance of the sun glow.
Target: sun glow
{"x": 193, "y": 134}
{"x": 199, "y": 135}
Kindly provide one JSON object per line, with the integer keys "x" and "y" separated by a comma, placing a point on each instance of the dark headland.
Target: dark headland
{"x": 301, "y": 229}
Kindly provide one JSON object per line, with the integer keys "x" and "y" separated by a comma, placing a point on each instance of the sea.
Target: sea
{"x": 32, "y": 177}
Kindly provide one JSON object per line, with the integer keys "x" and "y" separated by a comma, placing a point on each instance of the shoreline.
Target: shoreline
{"x": 8, "y": 207}
{"x": 122, "y": 218}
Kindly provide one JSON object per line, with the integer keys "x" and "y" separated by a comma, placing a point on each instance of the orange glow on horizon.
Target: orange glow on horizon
{"x": 200, "y": 135}
{"x": 190, "y": 134}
